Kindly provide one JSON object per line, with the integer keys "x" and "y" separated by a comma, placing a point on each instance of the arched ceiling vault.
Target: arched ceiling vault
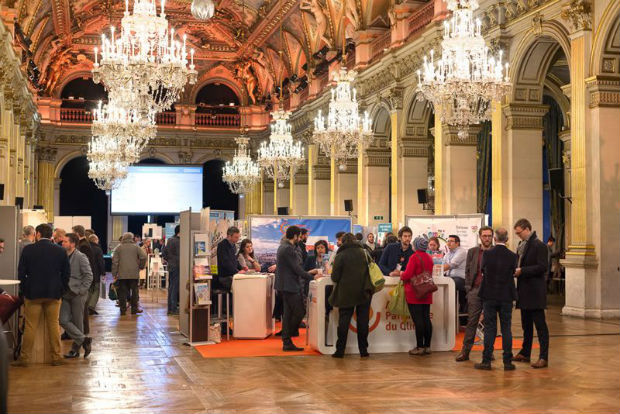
{"x": 242, "y": 34}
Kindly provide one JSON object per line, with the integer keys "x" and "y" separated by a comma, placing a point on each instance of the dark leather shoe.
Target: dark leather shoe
{"x": 364, "y": 354}
{"x": 87, "y": 345}
{"x": 486, "y": 366}
{"x": 92, "y": 312}
{"x": 462, "y": 356}
{"x": 338, "y": 354}
{"x": 291, "y": 348}
{"x": 65, "y": 337}
{"x": 509, "y": 367}
{"x": 541, "y": 363}
{"x": 520, "y": 358}
{"x": 302, "y": 325}
{"x": 72, "y": 354}
{"x": 279, "y": 333}
{"x": 137, "y": 311}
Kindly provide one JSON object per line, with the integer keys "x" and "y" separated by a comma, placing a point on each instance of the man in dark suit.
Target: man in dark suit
{"x": 497, "y": 292}
{"x": 473, "y": 279}
{"x": 227, "y": 263}
{"x": 44, "y": 275}
{"x": 171, "y": 255}
{"x": 289, "y": 275}
{"x": 531, "y": 274}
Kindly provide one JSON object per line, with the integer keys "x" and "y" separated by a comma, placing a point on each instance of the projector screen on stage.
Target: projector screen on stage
{"x": 158, "y": 189}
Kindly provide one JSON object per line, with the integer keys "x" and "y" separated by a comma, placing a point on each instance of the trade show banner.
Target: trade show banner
{"x": 267, "y": 231}
{"x": 382, "y": 230}
{"x": 464, "y": 226}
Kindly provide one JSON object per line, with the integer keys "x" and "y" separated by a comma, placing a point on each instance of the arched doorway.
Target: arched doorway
{"x": 217, "y": 98}
{"x": 215, "y": 192}
{"x": 80, "y": 197}
{"x": 82, "y": 93}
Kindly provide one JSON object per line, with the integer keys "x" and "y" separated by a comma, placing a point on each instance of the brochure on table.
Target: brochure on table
{"x": 465, "y": 226}
{"x": 267, "y": 231}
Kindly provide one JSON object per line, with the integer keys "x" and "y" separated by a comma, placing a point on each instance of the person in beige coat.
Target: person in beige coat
{"x": 127, "y": 261}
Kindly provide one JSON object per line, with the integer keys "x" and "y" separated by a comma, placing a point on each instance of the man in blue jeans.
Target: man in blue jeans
{"x": 171, "y": 256}
{"x": 497, "y": 292}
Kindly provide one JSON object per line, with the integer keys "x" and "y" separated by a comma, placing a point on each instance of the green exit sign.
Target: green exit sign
{"x": 378, "y": 217}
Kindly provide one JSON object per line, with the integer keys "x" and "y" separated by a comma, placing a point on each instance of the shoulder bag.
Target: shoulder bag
{"x": 422, "y": 283}
{"x": 376, "y": 275}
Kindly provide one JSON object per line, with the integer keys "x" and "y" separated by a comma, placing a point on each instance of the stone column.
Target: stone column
{"x": 362, "y": 187}
{"x": 333, "y": 187}
{"x": 396, "y": 171}
{"x": 312, "y": 153}
{"x": 47, "y": 158}
{"x": 517, "y": 146}
{"x": 455, "y": 170}
{"x": 322, "y": 186}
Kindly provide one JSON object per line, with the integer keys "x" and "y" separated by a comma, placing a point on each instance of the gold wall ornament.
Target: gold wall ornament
{"x": 579, "y": 13}
{"x": 537, "y": 25}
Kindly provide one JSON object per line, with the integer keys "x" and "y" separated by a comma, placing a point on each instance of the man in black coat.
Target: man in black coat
{"x": 171, "y": 255}
{"x": 227, "y": 263}
{"x": 44, "y": 275}
{"x": 289, "y": 275}
{"x": 531, "y": 273}
{"x": 497, "y": 291}
{"x": 98, "y": 273}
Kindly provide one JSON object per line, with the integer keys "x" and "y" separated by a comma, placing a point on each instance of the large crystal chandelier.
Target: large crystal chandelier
{"x": 243, "y": 172}
{"x": 467, "y": 77}
{"x": 345, "y": 129}
{"x": 281, "y": 156}
{"x": 105, "y": 167}
{"x": 203, "y": 9}
{"x": 129, "y": 129}
{"x": 144, "y": 61}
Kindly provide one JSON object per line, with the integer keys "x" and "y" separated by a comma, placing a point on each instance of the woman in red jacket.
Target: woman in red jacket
{"x": 419, "y": 308}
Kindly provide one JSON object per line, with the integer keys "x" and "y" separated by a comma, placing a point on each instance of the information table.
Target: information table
{"x": 253, "y": 300}
{"x": 388, "y": 333}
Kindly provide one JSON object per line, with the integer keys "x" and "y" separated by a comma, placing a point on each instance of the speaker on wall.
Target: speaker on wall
{"x": 19, "y": 202}
{"x": 1, "y": 191}
{"x": 348, "y": 206}
{"x": 422, "y": 196}
{"x": 556, "y": 179}
{"x": 38, "y": 207}
{"x": 282, "y": 211}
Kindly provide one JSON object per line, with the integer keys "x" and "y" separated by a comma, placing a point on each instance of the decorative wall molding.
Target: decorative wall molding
{"x": 47, "y": 154}
{"x": 524, "y": 116}
{"x": 579, "y": 13}
{"x": 604, "y": 91}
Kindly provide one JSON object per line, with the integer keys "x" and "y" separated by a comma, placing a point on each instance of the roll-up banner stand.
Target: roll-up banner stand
{"x": 267, "y": 231}
{"x": 465, "y": 226}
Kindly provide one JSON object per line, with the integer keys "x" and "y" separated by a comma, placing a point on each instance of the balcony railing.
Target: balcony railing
{"x": 166, "y": 118}
{"x": 77, "y": 115}
{"x": 218, "y": 120}
{"x": 421, "y": 17}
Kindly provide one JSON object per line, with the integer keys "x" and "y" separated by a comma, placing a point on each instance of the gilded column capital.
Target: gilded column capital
{"x": 521, "y": 116}
{"x": 47, "y": 154}
{"x": 579, "y": 14}
{"x": 604, "y": 91}
{"x": 395, "y": 98}
{"x": 451, "y": 137}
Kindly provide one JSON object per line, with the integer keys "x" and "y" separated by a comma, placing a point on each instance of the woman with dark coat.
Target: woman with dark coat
{"x": 419, "y": 308}
{"x": 353, "y": 291}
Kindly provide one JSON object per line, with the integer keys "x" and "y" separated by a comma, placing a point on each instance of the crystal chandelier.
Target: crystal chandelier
{"x": 281, "y": 156}
{"x": 144, "y": 59}
{"x": 467, "y": 77}
{"x": 129, "y": 130}
{"x": 104, "y": 166}
{"x": 345, "y": 129}
{"x": 243, "y": 172}
{"x": 203, "y": 9}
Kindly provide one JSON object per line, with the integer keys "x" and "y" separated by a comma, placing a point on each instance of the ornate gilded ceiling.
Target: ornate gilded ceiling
{"x": 242, "y": 42}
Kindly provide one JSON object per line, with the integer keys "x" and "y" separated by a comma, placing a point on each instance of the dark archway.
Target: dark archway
{"x": 217, "y": 98}
{"x": 80, "y": 197}
{"x": 135, "y": 222}
{"x": 215, "y": 192}
{"x": 82, "y": 93}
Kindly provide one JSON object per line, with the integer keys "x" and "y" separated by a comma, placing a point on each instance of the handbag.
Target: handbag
{"x": 8, "y": 305}
{"x": 422, "y": 284}
{"x": 397, "y": 305}
{"x": 376, "y": 275}
{"x": 112, "y": 293}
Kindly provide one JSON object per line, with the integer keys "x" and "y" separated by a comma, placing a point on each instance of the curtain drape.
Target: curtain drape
{"x": 552, "y": 125}
{"x": 483, "y": 168}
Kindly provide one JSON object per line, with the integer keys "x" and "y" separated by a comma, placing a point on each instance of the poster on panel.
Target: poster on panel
{"x": 267, "y": 231}
{"x": 464, "y": 226}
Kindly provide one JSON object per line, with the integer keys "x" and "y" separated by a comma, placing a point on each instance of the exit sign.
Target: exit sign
{"x": 378, "y": 217}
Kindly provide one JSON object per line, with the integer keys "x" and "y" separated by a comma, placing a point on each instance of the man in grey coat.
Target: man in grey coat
{"x": 127, "y": 261}
{"x": 74, "y": 299}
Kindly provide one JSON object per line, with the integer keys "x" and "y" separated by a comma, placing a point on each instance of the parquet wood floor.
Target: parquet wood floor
{"x": 140, "y": 365}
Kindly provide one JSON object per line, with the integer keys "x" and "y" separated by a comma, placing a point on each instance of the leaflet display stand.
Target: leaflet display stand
{"x": 200, "y": 290}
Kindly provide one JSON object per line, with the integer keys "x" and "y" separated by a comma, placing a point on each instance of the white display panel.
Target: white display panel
{"x": 158, "y": 189}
